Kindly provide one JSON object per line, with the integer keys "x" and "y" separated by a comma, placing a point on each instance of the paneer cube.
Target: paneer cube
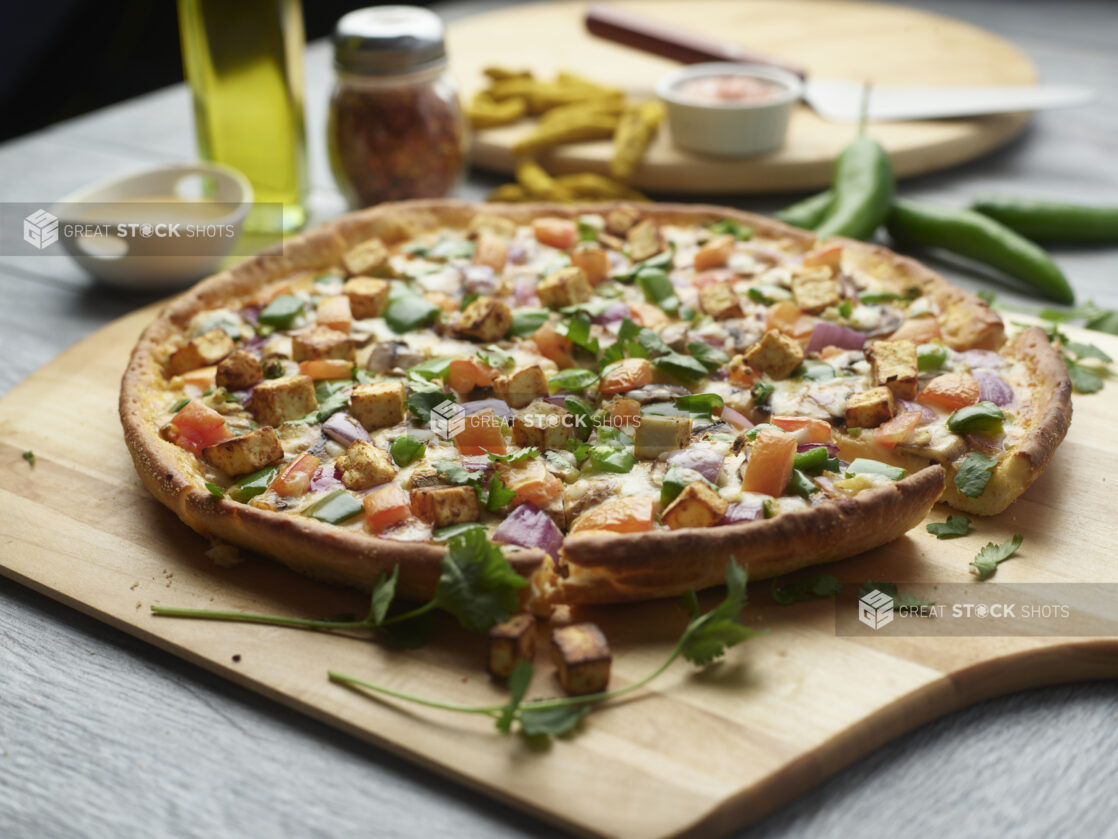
{"x": 335, "y": 312}
{"x": 275, "y": 401}
{"x": 521, "y": 387}
{"x": 365, "y": 466}
{"x": 696, "y": 506}
{"x": 542, "y": 425}
{"x": 815, "y": 289}
{"x": 740, "y": 373}
{"x": 564, "y": 287}
{"x": 368, "y": 297}
{"x": 870, "y": 408}
{"x": 582, "y": 655}
{"x": 509, "y": 642}
{"x": 378, "y": 404}
{"x": 322, "y": 342}
{"x": 485, "y": 320}
{"x": 644, "y": 240}
{"x": 893, "y": 365}
{"x": 423, "y": 476}
{"x": 246, "y": 453}
{"x": 366, "y": 258}
{"x": 719, "y": 301}
{"x": 658, "y": 435}
{"x": 620, "y": 220}
{"x": 498, "y": 225}
{"x": 238, "y": 370}
{"x": 443, "y": 506}
{"x": 205, "y": 350}
{"x": 775, "y": 354}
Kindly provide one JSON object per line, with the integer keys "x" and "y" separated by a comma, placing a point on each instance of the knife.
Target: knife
{"x": 838, "y": 100}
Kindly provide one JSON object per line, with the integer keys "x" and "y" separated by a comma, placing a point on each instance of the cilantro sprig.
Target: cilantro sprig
{"x": 986, "y": 563}
{"x": 953, "y": 528}
{"x": 809, "y": 588}
{"x": 705, "y": 639}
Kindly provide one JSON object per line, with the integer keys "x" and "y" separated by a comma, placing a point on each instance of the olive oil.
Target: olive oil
{"x": 244, "y": 62}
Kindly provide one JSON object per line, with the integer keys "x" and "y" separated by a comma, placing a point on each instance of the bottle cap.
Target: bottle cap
{"x": 385, "y": 40}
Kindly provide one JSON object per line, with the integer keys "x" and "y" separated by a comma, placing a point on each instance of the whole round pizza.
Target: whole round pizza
{"x": 624, "y": 397}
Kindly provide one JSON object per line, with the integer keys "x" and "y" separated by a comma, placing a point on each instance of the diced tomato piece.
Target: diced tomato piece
{"x": 531, "y": 482}
{"x": 554, "y": 346}
{"x": 791, "y": 320}
{"x": 335, "y": 313}
{"x": 464, "y": 374}
{"x": 481, "y": 433}
{"x": 831, "y": 257}
{"x": 626, "y": 375}
{"x": 714, "y": 253}
{"x": 557, "y": 232}
{"x": 633, "y": 514}
{"x": 918, "y": 330}
{"x": 647, "y": 314}
{"x": 327, "y": 368}
{"x": 594, "y": 263}
{"x": 896, "y": 430}
{"x": 385, "y": 507}
{"x": 295, "y": 478}
{"x": 491, "y": 250}
{"x": 806, "y": 429}
{"x": 622, "y": 410}
{"x": 195, "y": 427}
{"x": 770, "y": 463}
{"x": 951, "y": 391}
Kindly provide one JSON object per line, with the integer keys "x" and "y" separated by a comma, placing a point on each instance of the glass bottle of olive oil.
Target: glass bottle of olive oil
{"x": 244, "y": 62}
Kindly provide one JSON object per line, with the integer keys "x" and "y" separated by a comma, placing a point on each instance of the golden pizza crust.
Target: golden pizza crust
{"x": 606, "y": 567}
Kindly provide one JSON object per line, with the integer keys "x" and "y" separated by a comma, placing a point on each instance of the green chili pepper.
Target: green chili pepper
{"x": 335, "y": 508}
{"x": 980, "y": 238}
{"x": 863, "y": 187}
{"x": 930, "y": 357}
{"x": 811, "y": 459}
{"x": 865, "y": 466}
{"x": 985, "y": 418}
{"x": 807, "y": 213}
{"x": 800, "y": 484}
{"x": 250, "y": 486}
{"x": 1048, "y": 220}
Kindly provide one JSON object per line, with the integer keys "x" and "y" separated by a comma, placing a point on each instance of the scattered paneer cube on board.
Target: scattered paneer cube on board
{"x": 245, "y": 453}
{"x": 275, "y": 401}
{"x": 205, "y": 350}
{"x": 378, "y": 404}
{"x": 509, "y": 642}
{"x": 582, "y": 655}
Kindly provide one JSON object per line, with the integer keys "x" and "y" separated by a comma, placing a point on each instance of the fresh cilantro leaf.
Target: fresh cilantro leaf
{"x": 761, "y": 391}
{"x": 1087, "y": 351}
{"x": 432, "y": 368}
{"x": 410, "y": 312}
{"x": 736, "y": 229}
{"x": 806, "y": 589}
{"x": 29, "y": 456}
{"x": 421, "y": 402}
{"x": 577, "y": 331}
{"x": 681, "y": 366}
{"x": 974, "y": 474}
{"x": 445, "y": 534}
{"x": 496, "y": 495}
{"x": 454, "y": 472}
{"x": 581, "y": 451}
{"x": 658, "y": 288}
{"x": 526, "y": 322}
{"x": 554, "y": 722}
{"x": 1104, "y": 322}
{"x": 953, "y": 528}
{"x": 477, "y": 584}
{"x": 905, "y": 600}
{"x": 708, "y": 637}
{"x": 519, "y": 680}
{"x": 494, "y": 356}
{"x": 515, "y": 457}
{"x": 1083, "y": 379}
{"x": 384, "y": 591}
{"x": 707, "y": 355}
{"x": 573, "y": 379}
{"x": 589, "y": 227}
{"x": 700, "y": 405}
{"x": 992, "y": 555}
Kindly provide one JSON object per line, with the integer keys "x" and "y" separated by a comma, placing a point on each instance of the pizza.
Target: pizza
{"x": 625, "y": 397}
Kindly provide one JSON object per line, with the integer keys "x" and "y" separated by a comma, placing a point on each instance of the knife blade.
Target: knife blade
{"x": 837, "y": 100}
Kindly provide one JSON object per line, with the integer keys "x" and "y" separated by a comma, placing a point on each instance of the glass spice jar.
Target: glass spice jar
{"x": 396, "y": 128}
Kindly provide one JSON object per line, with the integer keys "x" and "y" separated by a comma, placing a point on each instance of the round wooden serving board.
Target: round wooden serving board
{"x": 843, "y": 40}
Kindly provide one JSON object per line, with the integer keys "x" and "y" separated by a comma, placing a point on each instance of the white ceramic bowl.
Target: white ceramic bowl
{"x": 729, "y": 129}
{"x": 207, "y": 199}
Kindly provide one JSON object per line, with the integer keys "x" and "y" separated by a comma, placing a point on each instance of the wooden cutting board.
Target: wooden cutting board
{"x": 830, "y": 38}
{"x": 697, "y": 754}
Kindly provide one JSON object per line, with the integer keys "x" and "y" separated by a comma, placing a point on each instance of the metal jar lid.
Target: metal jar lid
{"x": 384, "y": 40}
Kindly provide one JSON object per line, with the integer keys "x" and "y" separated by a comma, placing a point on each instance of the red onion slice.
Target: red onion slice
{"x": 530, "y": 527}
{"x": 832, "y": 335}
{"x": 479, "y": 279}
{"x": 613, "y": 313}
{"x": 524, "y": 290}
{"x": 993, "y": 388}
{"x": 344, "y": 429}
{"x": 736, "y": 419}
{"x": 325, "y": 477}
{"x": 926, "y": 414}
{"x": 982, "y": 358}
{"x": 497, "y": 406}
{"x": 706, "y": 462}
{"x": 742, "y": 511}
{"x": 831, "y": 450}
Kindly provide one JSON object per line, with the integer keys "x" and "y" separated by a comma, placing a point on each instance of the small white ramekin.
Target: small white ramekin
{"x": 732, "y": 129}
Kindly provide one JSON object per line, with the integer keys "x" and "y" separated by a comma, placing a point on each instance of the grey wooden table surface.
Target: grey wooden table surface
{"x": 103, "y": 736}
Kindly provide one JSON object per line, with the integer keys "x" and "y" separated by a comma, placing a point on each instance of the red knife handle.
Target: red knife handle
{"x": 640, "y": 33}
